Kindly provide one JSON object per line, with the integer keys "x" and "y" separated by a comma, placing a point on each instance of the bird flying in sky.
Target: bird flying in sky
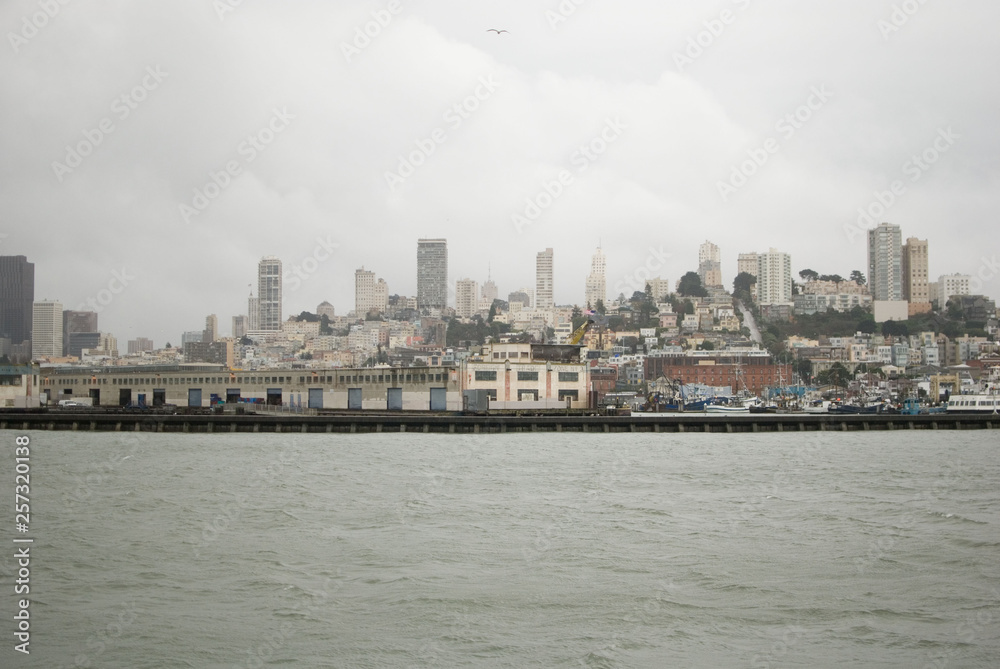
{"x": 497, "y": 31}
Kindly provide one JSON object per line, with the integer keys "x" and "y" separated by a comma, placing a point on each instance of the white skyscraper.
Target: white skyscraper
{"x": 466, "y": 298}
{"x": 46, "y": 329}
{"x": 371, "y": 295}
{"x": 774, "y": 278}
{"x": 885, "y": 263}
{"x": 269, "y": 293}
{"x": 544, "y": 298}
{"x": 709, "y": 264}
{"x": 597, "y": 286}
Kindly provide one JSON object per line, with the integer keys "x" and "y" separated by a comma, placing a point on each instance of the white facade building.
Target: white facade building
{"x": 774, "y": 278}
{"x": 46, "y": 329}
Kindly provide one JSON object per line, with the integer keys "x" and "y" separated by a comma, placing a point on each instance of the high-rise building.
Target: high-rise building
{"x": 544, "y": 296}
{"x": 710, "y": 265}
{"x": 269, "y": 293}
{"x": 371, "y": 295}
{"x": 658, "y": 288}
{"x": 948, "y": 286}
{"x": 885, "y": 263}
{"x": 46, "y": 329}
{"x": 191, "y": 336}
{"x": 466, "y": 298}
{"x": 490, "y": 291}
{"x": 211, "y": 329}
{"x": 17, "y": 295}
{"x": 596, "y": 289}
{"x": 774, "y": 278}
{"x": 241, "y": 326}
{"x": 139, "y": 345}
{"x": 915, "y": 280}
{"x": 253, "y": 317}
{"x": 747, "y": 262}
{"x": 80, "y": 341}
{"x": 432, "y": 273}
{"x": 77, "y": 321}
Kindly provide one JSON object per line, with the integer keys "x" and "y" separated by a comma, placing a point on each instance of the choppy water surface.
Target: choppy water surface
{"x": 554, "y": 550}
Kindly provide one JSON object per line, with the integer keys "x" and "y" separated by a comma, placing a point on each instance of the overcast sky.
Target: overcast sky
{"x": 336, "y": 149}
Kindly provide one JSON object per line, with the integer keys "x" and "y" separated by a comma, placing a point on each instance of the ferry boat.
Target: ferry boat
{"x": 987, "y": 401}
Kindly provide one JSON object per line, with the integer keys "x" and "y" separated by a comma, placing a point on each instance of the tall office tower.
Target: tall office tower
{"x": 885, "y": 263}
{"x": 490, "y": 291}
{"x": 466, "y": 298}
{"x": 709, "y": 265}
{"x": 544, "y": 280}
{"x": 211, "y": 329}
{"x": 77, "y": 321}
{"x": 253, "y": 316}
{"x": 596, "y": 288}
{"x": 371, "y": 295}
{"x": 916, "y": 284}
{"x": 17, "y": 294}
{"x": 774, "y": 278}
{"x": 747, "y": 262}
{"x": 432, "y": 273}
{"x": 269, "y": 293}
{"x": 46, "y": 329}
{"x": 139, "y": 345}
{"x": 241, "y": 326}
{"x": 325, "y": 309}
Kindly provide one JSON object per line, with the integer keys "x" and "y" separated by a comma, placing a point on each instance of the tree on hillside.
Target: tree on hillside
{"x": 836, "y": 278}
{"x": 743, "y": 283}
{"x": 858, "y": 278}
{"x": 808, "y": 275}
{"x": 690, "y": 286}
{"x": 600, "y": 308}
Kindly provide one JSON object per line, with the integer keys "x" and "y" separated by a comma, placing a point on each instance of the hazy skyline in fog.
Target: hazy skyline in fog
{"x": 329, "y": 143}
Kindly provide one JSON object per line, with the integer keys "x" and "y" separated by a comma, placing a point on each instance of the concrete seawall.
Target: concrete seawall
{"x": 475, "y": 424}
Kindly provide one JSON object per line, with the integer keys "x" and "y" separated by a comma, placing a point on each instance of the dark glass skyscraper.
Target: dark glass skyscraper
{"x": 17, "y": 293}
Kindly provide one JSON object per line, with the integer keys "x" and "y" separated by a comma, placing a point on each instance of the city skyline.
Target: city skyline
{"x": 150, "y": 191}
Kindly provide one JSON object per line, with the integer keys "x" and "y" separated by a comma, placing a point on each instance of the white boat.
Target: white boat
{"x": 987, "y": 401}
{"x": 726, "y": 408}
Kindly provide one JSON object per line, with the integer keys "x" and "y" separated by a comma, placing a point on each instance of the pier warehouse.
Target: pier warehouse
{"x": 515, "y": 376}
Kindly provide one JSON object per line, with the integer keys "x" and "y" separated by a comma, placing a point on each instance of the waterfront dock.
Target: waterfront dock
{"x": 452, "y": 423}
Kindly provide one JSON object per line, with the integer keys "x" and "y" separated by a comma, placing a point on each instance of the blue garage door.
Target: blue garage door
{"x": 315, "y": 398}
{"x": 354, "y": 399}
{"x": 439, "y": 399}
{"x": 394, "y": 399}
{"x": 194, "y": 397}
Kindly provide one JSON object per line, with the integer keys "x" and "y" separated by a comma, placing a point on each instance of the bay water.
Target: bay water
{"x": 518, "y": 550}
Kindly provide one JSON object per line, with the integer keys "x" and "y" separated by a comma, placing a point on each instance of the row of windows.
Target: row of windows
{"x": 565, "y": 377}
{"x": 171, "y": 381}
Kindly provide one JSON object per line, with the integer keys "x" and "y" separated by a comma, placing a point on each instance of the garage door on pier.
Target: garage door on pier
{"x": 439, "y": 399}
{"x": 315, "y": 398}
